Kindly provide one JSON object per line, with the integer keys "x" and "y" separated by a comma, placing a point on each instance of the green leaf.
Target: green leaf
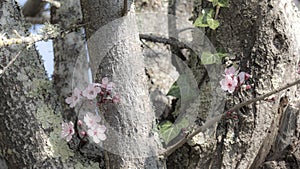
{"x": 208, "y": 58}
{"x": 213, "y": 24}
{"x": 164, "y": 126}
{"x": 223, "y": 3}
{"x": 221, "y": 55}
{"x": 207, "y": 19}
{"x": 214, "y": 2}
{"x": 188, "y": 89}
{"x": 167, "y": 133}
{"x": 174, "y": 91}
{"x": 201, "y": 21}
{"x": 210, "y": 13}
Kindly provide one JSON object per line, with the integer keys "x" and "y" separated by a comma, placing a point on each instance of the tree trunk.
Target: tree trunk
{"x": 31, "y": 114}
{"x": 115, "y": 53}
{"x": 260, "y": 37}
{"x": 23, "y": 141}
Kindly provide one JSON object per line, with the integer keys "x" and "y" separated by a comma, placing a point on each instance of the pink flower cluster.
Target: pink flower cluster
{"x": 94, "y": 129}
{"x": 91, "y": 92}
{"x": 106, "y": 93}
{"x": 233, "y": 80}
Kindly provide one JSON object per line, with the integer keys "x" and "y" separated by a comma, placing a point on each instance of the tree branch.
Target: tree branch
{"x": 169, "y": 41}
{"x": 176, "y": 44}
{"x": 10, "y": 62}
{"x": 47, "y": 32}
{"x": 33, "y": 7}
{"x": 37, "y": 20}
{"x": 214, "y": 120}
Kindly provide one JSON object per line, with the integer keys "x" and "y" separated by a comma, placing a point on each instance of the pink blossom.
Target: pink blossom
{"x": 116, "y": 98}
{"x": 229, "y": 83}
{"x": 74, "y": 99}
{"x": 97, "y": 133}
{"x": 247, "y": 76}
{"x": 230, "y": 71}
{"x": 79, "y": 123}
{"x": 83, "y": 133}
{"x": 91, "y": 120}
{"x": 241, "y": 77}
{"x": 106, "y": 84}
{"x": 67, "y": 130}
{"x": 248, "y": 87}
{"x": 91, "y": 91}
{"x": 110, "y": 86}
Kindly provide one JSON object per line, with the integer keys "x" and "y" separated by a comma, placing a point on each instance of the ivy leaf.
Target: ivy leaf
{"x": 221, "y": 55}
{"x": 174, "y": 91}
{"x": 207, "y": 20}
{"x": 201, "y": 22}
{"x": 188, "y": 89}
{"x": 223, "y": 3}
{"x": 213, "y": 24}
{"x": 169, "y": 132}
{"x": 208, "y": 58}
{"x": 164, "y": 126}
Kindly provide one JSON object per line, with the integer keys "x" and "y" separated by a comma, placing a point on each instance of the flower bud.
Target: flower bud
{"x": 79, "y": 123}
{"x": 248, "y": 87}
{"x": 83, "y": 133}
{"x": 247, "y": 76}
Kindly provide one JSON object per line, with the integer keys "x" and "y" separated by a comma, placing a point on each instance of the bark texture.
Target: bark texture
{"x": 260, "y": 36}
{"x": 71, "y": 63}
{"x": 30, "y": 115}
{"x": 22, "y": 139}
{"x": 71, "y": 71}
{"x": 115, "y": 52}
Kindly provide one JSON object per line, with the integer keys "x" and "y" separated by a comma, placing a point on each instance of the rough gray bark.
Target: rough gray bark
{"x": 22, "y": 139}
{"x": 71, "y": 71}
{"x": 71, "y": 66}
{"x": 114, "y": 49}
{"x": 258, "y": 34}
{"x": 260, "y": 38}
{"x": 31, "y": 114}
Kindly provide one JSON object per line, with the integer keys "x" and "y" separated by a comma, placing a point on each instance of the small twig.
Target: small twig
{"x": 217, "y": 11}
{"x": 48, "y": 32}
{"x": 10, "y": 62}
{"x": 169, "y": 41}
{"x": 214, "y": 120}
{"x": 125, "y": 8}
{"x": 106, "y": 157}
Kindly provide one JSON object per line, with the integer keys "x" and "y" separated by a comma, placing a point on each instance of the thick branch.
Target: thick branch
{"x": 33, "y": 7}
{"x": 169, "y": 41}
